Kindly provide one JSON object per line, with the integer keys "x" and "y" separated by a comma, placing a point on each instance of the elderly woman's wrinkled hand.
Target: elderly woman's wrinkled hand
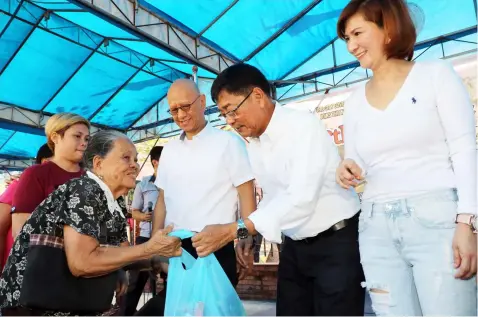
{"x": 164, "y": 245}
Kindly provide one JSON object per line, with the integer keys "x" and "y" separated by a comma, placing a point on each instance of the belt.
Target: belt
{"x": 334, "y": 228}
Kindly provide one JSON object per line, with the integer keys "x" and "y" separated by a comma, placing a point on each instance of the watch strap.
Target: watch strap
{"x": 467, "y": 219}
{"x": 240, "y": 224}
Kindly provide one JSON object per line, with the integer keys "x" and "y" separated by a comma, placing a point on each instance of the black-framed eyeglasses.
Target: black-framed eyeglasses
{"x": 232, "y": 114}
{"x": 184, "y": 108}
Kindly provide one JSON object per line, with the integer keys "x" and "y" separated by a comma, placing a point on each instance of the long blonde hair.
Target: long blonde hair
{"x": 61, "y": 122}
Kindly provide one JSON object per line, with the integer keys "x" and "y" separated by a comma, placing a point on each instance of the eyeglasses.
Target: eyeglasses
{"x": 184, "y": 108}
{"x": 232, "y": 114}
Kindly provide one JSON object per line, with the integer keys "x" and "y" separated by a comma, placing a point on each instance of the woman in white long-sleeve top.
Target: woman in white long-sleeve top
{"x": 410, "y": 134}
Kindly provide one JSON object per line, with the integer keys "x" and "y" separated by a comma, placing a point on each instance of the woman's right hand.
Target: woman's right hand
{"x": 164, "y": 245}
{"x": 347, "y": 173}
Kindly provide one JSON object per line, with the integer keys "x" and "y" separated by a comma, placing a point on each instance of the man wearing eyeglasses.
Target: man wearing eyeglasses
{"x": 203, "y": 175}
{"x": 294, "y": 159}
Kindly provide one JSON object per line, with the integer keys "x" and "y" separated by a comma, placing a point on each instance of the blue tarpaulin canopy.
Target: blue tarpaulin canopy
{"x": 112, "y": 61}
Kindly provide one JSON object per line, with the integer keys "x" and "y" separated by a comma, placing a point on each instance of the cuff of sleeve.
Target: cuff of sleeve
{"x": 136, "y": 206}
{"x": 82, "y": 231}
{"x": 241, "y": 180}
{"x": 15, "y": 210}
{"x": 267, "y": 227}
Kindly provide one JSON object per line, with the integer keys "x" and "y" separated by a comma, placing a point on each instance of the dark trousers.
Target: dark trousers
{"x": 138, "y": 279}
{"x": 322, "y": 276}
{"x": 257, "y": 247}
{"x": 226, "y": 256}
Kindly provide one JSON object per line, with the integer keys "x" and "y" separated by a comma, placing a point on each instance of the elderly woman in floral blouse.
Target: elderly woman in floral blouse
{"x": 73, "y": 214}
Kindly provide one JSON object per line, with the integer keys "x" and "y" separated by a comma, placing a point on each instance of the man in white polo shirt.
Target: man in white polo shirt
{"x": 294, "y": 161}
{"x": 203, "y": 173}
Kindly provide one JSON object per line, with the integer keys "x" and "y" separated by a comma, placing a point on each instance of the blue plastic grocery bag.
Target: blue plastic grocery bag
{"x": 202, "y": 289}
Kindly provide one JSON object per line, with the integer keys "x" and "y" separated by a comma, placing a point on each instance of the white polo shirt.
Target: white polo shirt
{"x": 199, "y": 178}
{"x": 424, "y": 141}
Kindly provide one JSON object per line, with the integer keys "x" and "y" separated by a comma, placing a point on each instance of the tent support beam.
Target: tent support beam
{"x": 121, "y": 11}
{"x": 13, "y": 117}
{"x": 22, "y": 43}
{"x": 51, "y": 31}
{"x": 283, "y": 29}
{"x": 310, "y": 57}
{"x": 146, "y": 111}
{"x": 475, "y": 6}
{"x": 12, "y": 17}
{"x": 292, "y": 86}
{"x": 159, "y": 32}
{"x": 72, "y": 75}
{"x": 11, "y": 163}
{"x": 233, "y": 3}
{"x": 8, "y": 139}
{"x": 117, "y": 91}
{"x": 347, "y": 84}
{"x": 148, "y": 131}
{"x": 143, "y": 135}
{"x": 437, "y": 40}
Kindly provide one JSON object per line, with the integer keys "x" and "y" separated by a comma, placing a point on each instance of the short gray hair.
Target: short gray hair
{"x": 100, "y": 144}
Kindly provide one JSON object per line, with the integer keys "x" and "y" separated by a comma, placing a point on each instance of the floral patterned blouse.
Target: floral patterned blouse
{"x": 81, "y": 204}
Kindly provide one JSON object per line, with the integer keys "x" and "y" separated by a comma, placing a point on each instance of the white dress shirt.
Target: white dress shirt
{"x": 199, "y": 178}
{"x": 294, "y": 162}
{"x": 423, "y": 141}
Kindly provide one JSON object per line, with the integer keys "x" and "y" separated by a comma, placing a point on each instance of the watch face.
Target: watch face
{"x": 242, "y": 233}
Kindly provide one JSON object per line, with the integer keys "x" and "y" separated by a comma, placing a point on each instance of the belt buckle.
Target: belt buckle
{"x": 339, "y": 225}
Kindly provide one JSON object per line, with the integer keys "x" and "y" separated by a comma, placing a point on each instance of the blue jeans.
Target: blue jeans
{"x": 406, "y": 252}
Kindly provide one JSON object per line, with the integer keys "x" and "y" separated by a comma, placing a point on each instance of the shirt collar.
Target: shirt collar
{"x": 275, "y": 128}
{"x": 201, "y": 133}
{"x": 112, "y": 203}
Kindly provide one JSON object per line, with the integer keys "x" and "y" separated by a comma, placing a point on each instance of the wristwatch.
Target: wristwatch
{"x": 242, "y": 232}
{"x": 468, "y": 219}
